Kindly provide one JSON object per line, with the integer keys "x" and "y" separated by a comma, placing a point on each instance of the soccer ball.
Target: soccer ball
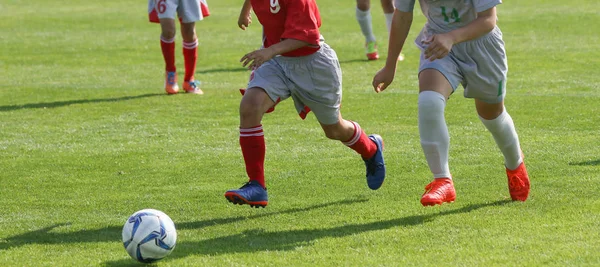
{"x": 149, "y": 235}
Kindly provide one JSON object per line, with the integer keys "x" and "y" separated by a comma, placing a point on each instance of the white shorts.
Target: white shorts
{"x": 314, "y": 82}
{"x": 480, "y": 65}
{"x": 187, "y": 10}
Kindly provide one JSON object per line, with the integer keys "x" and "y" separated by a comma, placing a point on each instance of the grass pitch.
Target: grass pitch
{"x": 88, "y": 137}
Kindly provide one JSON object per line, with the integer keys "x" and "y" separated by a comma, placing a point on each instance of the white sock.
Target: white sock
{"x": 388, "y": 21}
{"x": 364, "y": 20}
{"x": 503, "y": 130}
{"x": 433, "y": 131}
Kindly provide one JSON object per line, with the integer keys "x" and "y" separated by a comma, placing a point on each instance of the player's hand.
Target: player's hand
{"x": 244, "y": 21}
{"x": 382, "y": 79}
{"x": 256, "y": 58}
{"x": 439, "y": 46}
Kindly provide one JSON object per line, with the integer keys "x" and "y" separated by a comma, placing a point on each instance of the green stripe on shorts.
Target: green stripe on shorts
{"x": 500, "y": 88}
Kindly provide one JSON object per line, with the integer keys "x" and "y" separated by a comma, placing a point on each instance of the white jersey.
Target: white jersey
{"x": 447, "y": 15}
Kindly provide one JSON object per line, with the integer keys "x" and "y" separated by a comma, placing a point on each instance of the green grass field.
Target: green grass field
{"x": 87, "y": 137}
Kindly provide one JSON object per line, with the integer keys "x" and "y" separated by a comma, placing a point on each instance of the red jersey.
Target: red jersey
{"x": 289, "y": 19}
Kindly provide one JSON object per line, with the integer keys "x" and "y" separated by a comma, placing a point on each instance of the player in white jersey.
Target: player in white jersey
{"x": 363, "y": 16}
{"x": 188, "y": 11}
{"x": 460, "y": 44}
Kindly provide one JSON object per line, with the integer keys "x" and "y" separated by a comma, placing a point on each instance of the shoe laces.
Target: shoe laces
{"x": 435, "y": 187}
{"x": 171, "y": 77}
{"x": 516, "y": 182}
{"x": 194, "y": 84}
{"x": 251, "y": 185}
{"x": 372, "y": 166}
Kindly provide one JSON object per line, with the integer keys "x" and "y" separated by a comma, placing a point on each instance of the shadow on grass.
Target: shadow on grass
{"x": 236, "y": 69}
{"x": 353, "y": 61}
{"x": 586, "y": 163}
{"x": 72, "y": 102}
{"x": 113, "y": 233}
{"x": 259, "y": 240}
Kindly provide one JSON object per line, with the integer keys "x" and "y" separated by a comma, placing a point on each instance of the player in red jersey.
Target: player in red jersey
{"x": 294, "y": 62}
{"x": 189, "y": 11}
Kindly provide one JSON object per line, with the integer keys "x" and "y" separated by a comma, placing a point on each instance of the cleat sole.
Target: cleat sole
{"x": 239, "y": 200}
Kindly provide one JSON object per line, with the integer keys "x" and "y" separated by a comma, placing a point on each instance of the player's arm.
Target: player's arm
{"x": 245, "y": 18}
{"x": 286, "y": 45}
{"x": 256, "y": 58}
{"x": 401, "y": 23}
{"x": 400, "y": 27}
{"x": 441, "y": 44}
{"x": 483, "y": 24}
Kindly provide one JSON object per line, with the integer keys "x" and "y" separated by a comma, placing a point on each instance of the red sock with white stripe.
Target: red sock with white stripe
{"x": 190, "y": 55}
{"x": 252, "y": 142}
{"x": 168, "y": 50}
{"x": 361, "y": 143}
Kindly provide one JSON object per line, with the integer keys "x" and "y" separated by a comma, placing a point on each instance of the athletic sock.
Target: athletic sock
{"x": 361, "y": 143}
{"x": 433, "y": 132}
{"x": 364, "y": 20}
{"x": 388, "y": 21}
{"x": 168, "y": 50}
{"x": 503, "y": 130}
{"x": 190, "y": 54}
{"x": 252, "y": 142}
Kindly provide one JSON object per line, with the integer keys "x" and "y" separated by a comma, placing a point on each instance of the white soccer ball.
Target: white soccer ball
{"x": 149, "y": 235}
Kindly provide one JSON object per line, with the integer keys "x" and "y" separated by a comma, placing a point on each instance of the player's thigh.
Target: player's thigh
{"x": 189, "y": 11}
{"x": 271, "y": 78}
{"x": 440, "y": 75}
{"x": 319, "y": 85}
{"x": 485, "y": 68}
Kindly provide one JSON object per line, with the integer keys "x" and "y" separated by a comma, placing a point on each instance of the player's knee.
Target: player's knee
{"x": 188, "y": 35}
{"x": 431, "y": 102}
{"x": 248, "y": 110}
{"x": 363, "y": 5}
{"x": 168, "y": 34}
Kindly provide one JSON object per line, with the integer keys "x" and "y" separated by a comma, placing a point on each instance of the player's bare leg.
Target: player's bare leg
{"x": 253, "y": 106}
{"x": 190, "y": 56}
{"x": 369, "y": 147}
{"x": 500, "y": 124}
{"x": 363, "y": 16}
{"x": 434, "y": 89}
{"x": 167, "y": 44}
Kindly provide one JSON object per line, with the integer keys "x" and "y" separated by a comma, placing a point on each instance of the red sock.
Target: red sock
{"x": 361, "y": 143}
{"x": 190, "y": 54}
{"x": 252, "y": 141}
{"x": 168, "y": 51}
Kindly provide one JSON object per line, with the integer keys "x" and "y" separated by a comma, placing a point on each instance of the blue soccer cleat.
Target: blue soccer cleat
{"x": 251, "y": 193}
{"x": 376, "y": 164}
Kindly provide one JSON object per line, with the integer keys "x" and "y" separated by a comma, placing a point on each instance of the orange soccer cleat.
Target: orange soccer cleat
{"x": 171, "y": 86}
{"x": 192, "y": 87}
{"x": 371, "y": 51}
{"x": 439, "y": 191}
{"x": 518, "y": 183}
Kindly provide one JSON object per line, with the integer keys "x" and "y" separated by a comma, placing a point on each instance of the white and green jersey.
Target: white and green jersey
{"x": 447, "y": 15}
